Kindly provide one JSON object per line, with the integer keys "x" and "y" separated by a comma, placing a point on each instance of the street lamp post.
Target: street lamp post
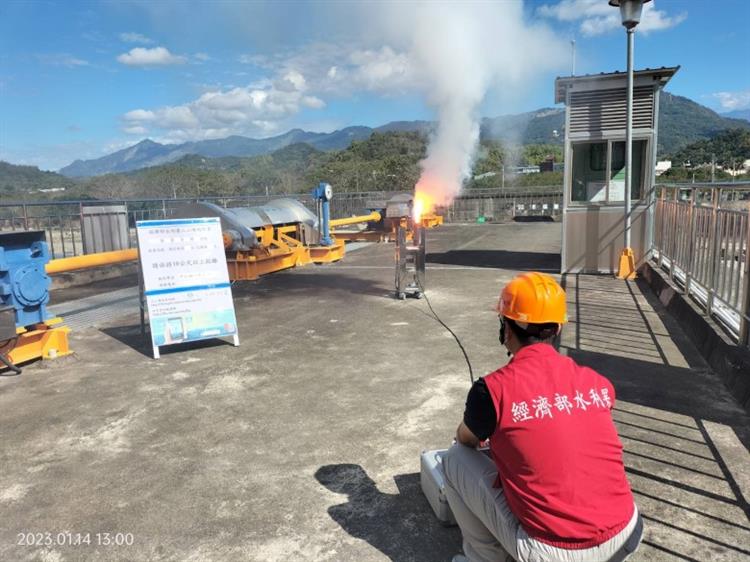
{"x": 630, "y": 11}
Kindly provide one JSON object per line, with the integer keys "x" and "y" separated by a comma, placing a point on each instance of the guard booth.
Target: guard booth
{"x": 593, "y": 219}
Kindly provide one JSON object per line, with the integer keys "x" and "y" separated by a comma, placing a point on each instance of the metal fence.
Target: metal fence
{"x": 63, "y": 221}
{"x": 502, "y": 204}
{"x": 702, "y": 238}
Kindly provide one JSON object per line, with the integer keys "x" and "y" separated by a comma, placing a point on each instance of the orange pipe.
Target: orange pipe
{"x": 120, "y": 256}
{"x": 91, "y": 260}
{"x": 372, "y": 217}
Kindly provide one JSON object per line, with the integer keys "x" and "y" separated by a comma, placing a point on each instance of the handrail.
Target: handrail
{"x": 704, "y": 245}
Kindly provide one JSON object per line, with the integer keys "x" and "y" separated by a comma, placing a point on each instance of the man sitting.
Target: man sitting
{"x": 555, "y": 487}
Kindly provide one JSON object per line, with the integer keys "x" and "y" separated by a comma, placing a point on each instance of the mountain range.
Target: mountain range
{"x": 682, "y": 121}
{"x": 738, "y": 114}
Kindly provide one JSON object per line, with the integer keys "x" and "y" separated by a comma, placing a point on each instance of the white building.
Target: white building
{"x": 662, "y": 166}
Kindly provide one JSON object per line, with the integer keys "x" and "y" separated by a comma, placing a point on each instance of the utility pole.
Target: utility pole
{"x": 630, "y": 12}
{"x": 573, "y": 56}
{"x": 713, "y": 168}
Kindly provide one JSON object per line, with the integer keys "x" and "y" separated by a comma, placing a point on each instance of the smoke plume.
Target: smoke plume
{"x": 461, "y": 53}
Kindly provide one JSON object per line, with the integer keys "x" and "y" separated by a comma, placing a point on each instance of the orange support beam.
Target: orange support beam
{"x": 46, "y": 340}
{"x": 62, "y": 265}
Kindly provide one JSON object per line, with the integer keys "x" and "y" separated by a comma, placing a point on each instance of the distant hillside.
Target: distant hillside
{"x": 728, "y": 148}
{"x": 681, "y": 122}
{"x": 17, "y": 180}
{"x": 383, "y": 162}
{"x": 543, "y": 126}
{"x": 424, "y": 127}
{"x": 148, "y": 153}
{"x": 738, "y": 114}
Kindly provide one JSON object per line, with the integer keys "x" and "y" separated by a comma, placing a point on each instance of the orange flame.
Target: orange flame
{"x": 423, "y": 205}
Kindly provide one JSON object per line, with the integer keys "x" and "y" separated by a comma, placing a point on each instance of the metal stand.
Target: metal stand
{"x": 410, "y": 258}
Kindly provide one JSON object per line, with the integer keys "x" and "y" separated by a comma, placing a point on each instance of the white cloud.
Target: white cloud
{"x": 731, "y": 101}
{"x": 203, "y": 57}
{"x": 313, "y": 103}
{"x": 297, "y": 81}
{"x": 258, "y": 60}
{"x": 384, "y": 61}
{"x": 135, "y": 130}
{"x": 62, "y": 59}
{"x": 158, "y": 56}
{"x": 337, "y": 70}
{"x": 257, "y": 109}
{"x": 382, "y": 69}
{"x": 135, "y": 38}
{"x": 139, "y": 115}
{"x": 598, "y": 17}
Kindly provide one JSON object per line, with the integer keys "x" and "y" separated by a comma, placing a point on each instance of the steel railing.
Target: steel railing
{"x": 63, "y": 220}
{"x": 702, "y": 239}
{"x": 505, "y": 203}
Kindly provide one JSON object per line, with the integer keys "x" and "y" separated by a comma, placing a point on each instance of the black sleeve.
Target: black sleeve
{"x": 480, "y": 416}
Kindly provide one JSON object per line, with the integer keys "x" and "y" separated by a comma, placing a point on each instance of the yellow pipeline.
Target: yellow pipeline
{"x": 372, "y": 217}
{"x": 120, "y": 256}
{"x": 91, "y": 260}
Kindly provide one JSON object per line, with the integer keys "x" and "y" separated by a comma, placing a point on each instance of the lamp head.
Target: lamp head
{"x": 630, "y": 11}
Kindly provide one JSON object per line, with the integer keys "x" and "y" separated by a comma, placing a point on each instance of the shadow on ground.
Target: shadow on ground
{"x": 131, "y": 336}
{"x": 282, "y": 284}
{"x": 678, "y": 423}
{"x": 533, "y": 218}
{"x": 401, "y": 526}
{"x": 499, "y": 259}
{"x": 673, "y": 389}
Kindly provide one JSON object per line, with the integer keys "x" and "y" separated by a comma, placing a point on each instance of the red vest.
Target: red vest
{"x": 557, "y": 452}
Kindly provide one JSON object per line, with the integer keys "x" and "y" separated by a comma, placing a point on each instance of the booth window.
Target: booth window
{"x": 617, "y": 171}
{"x": 589, "y": 172}
{"x": 599, "y": 171}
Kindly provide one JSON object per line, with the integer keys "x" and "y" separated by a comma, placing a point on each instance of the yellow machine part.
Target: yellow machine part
{"x": 372, "y": 217}
{"x": 328, "y": 254}
{"x": 47, "y": 340}
{"x": 279, "y": 251}
{"x": 61, "y": 265}
{"x": 362, "y": 235}
{"x": 280, "y": 248}
{"x": 431, "y": 220}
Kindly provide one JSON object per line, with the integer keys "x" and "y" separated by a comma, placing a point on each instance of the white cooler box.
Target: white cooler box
{"x": 432, "y": 480}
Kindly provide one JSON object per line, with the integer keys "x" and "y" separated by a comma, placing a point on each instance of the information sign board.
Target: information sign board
{"x": 185, "y": 281}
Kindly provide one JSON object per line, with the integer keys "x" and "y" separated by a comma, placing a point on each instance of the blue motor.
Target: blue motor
{"x": 323, "y": 194}
{"x": 24, "y": 283}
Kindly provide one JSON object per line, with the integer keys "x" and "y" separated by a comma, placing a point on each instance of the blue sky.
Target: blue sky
{"x": 82, "y": 79}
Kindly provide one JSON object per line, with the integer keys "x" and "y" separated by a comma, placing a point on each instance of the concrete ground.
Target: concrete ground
{"x": 303, "y": 443}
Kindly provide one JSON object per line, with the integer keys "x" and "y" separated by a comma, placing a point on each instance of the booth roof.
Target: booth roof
{"x": 562, "y": 83}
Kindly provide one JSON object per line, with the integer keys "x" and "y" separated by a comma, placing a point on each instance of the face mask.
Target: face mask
{"x": 502, "y": 334}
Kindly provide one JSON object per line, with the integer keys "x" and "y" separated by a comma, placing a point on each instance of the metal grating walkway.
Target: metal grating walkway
{"x": 96, "y": 310}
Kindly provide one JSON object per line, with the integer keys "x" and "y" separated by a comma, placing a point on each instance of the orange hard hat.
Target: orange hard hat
{"x": 533, "y": 298}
